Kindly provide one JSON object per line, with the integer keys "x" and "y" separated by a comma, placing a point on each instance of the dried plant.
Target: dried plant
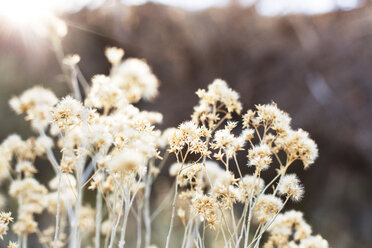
{"x": 109, "y": 146}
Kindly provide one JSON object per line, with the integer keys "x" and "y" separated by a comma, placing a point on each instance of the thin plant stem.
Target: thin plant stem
{"x": 251, "y": 205}
{"x": 234, "y": 222}
{"x": 83, "y": 81}
{"x": 242, "y": 223}
{"x": 146, "y": 210}
{"x": 124, "y": 226}
{"x": 52, "y": 159}
{"x": 139, "y": 226}
{"x": 193, "y": 232}
{"x": 113, "y": 231}
{"x": 73, "y": 75}
{"x": 75, "y": 229}
{"x": 128, "y": 206}
{"x": 98, "y": 218}
{"x": 79, "y": 178}
{"x": 56, "y": 234}
{"x": 186, "y": 232}
{"x": 237, "y": 166}
{"x": 24, "y": 240}
{"x": 173, "y": 212}
{"x": 226, "y": 224}
{"x": 268, "y": 224}
{"x": 281, "y": 176}
{"x": 257, "y": 230}
{"x": 223, "y": 234}
{"x": 203, "y": 234}
{"x": 175, "y": 200}
{"x": 75, "y": 85}
{"x": 162, "y": 205}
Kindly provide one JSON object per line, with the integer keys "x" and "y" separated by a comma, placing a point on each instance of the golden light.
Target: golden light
{"x": 30, "y": 15}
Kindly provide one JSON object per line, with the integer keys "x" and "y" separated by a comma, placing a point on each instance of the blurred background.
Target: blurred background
{"x": 313, "y": 58}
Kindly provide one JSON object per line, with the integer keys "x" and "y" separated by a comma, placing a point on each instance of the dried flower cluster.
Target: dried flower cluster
{"x": 110, "y": 146}
{"x": 291, "y": 230}
{"x": 5, "y": 219}
{"x": 213, "y": 193}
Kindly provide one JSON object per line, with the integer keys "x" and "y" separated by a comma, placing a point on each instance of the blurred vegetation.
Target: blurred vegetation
{"x": 317, "y": 68}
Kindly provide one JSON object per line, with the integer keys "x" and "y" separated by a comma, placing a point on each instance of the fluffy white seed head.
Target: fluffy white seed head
{"x": 126, "y": 161}
{"x": 114, "y": 55}
{"x": 291, "y": 186}
{"x": 260, "y": 157}
{"x": 267, "y": 206}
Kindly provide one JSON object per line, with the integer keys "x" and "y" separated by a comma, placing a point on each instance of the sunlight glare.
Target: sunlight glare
{"x": 26, "y": 14}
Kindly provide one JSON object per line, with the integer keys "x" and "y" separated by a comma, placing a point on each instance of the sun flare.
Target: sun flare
{"x": 25, "y": 14}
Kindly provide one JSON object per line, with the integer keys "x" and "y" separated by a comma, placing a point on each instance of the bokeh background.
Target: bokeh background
{"x": 314, "y": 60}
